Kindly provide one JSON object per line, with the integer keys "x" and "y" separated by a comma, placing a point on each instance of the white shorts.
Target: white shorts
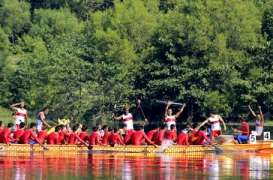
{"x": 39, "y": 125}
{"x": 169, "y": 123}
{"x": 259, "y": 130}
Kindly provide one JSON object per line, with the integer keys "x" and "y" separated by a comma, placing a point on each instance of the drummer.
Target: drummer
{"x": 169, "y": 117}
{"x": 21, "y": 114}
{"x": 127, "y": 118}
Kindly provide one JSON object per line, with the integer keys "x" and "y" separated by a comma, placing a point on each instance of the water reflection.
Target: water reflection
{"x": 135, "y": 166}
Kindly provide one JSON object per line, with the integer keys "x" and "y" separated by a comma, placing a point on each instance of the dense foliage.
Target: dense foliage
{"x": 82, "y": 56}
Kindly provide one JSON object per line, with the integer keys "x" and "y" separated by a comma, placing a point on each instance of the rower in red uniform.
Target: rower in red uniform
{"x": 73, "y": 136}
{"x": 215, "y": 121}
{"x": 53, "y": 138}
{"x": 42, "y": 135}
{"x": 243, "y": 137}
{"x": 159, "y": 136}
{"x": 94, "y": 138}
{"x": 128, "y": 134}
{"x": 29, "y": 136}
{"x": 21, "y": 114}
{"x": 139, "y": 137}
{"x": 1, "y": 127}
{"x": 5, "y": 135}
{"x": 115, "y": 138}
{"x": 151, "y": 134}
{"x": 171, "y": 134}
{"x": 169, "y": 117}
{"x": 106, "y": 135}
{"x": 127, "y": 118}
{"x": 19, "y": 132}
{"x": 198, "y": 136}
{"x": 183, "y": 138}
{"x": 84, "y": 134}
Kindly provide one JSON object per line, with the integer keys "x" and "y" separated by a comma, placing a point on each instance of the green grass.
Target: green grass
{"x": 5, "y": 115}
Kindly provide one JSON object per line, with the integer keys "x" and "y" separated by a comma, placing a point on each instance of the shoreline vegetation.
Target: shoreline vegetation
{"x": 82, "y": 58}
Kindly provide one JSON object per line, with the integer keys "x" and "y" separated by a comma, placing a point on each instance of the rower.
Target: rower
{"x": 171, "y": 134}
{"x": 106, "y": 135}
{"x": 197, "y": 135}
{"x": 21, "y": 114}
{"x": 259, "y": 120}
{"x": 127, "y": 134}
{"x": 41, "y": 119}
{"x": 53, "y": 137}
{"x": 159, "y": 136}
{"x": 169, "y": 117}
{"x": 29, "y": 136}
{"x": 214, "y": 121}
{"x": 84, "y": 134}
{"x": 94, "y": 138}
{"x": 151, "y": 134}
{"x": 1, "y": 126}
{"x": 243, "y": 137}
{"x": 5, "y": 134}
{"x": 183, "y": 138}
{"x": 19, "y": 132}
{"x": 139, "y": 137}
{"x": 127, "y": 118}
{"x": 115, "y": 138}
{"x": 42, "y": 135}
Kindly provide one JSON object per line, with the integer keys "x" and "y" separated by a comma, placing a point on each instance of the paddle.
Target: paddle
{"x": 141, "y": 110}
{"x": 171, "y": 102}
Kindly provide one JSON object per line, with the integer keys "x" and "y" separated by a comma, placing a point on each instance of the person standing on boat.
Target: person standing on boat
{"x": 259, "y": 120}
{"x": 127, "y": 118}
{"x": 169, "y": 117}
{"x": 21, "y": 114}
{"x": 215, "y": 122}
{"x": 41, "y": 119}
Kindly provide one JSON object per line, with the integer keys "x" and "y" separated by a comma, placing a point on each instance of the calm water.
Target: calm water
{"x": 134, "y": 166}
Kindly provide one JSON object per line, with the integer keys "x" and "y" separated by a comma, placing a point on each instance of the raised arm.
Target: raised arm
{"x": 251, "y": 111}
{"x": 167, "y": 107}
{"x": 118, "y": 118}
{"x": 202, "y": 124}
{"x": 14, "y": 106}
{"x": 261, "y": 115}
{"x": 180, "y": 112}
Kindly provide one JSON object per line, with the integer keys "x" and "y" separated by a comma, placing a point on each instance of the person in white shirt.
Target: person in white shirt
{"x": 169, "y": 117}
{"x": 21, "y": 114}
{"x": 127, "y": 118}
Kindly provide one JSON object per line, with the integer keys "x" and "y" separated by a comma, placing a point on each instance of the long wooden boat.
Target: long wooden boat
{"x": 263, "y": 145}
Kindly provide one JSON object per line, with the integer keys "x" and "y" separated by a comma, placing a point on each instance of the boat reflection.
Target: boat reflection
{"x": 136, "y": 166}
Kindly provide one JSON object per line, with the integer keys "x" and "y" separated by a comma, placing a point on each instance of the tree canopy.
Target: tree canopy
{"x": 80, "y": 57}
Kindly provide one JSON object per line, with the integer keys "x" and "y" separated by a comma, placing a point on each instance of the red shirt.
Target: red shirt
{"x": 18, "y": 133}
{"x": 61, "y": 137}
{"x": 137, "y": 138}
{"x": 115, "y": 139}
{"x": 42, "y": 136}
{"x": 94, "y": 138}
{"x": 53, "y": 138}
{"x": 151, "y": 134}
{"x": 105, "y": 138}
{"x": 198, "y": 138}
{"x": 170, "y": 134}
{"x": 5, "y": 136}
{"x": 72, "y": 138}
{"x": 27, "y": 136}
{"x": 182, "y": 139}
{"x": 245, "y": 128}
{"x": 84, "y": 136}
{"x": 159, "y": 136}
{"x": 128, "y": 136}
{"x": 1, "y": 129}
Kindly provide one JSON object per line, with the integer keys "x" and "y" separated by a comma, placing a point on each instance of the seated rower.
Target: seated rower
{"x": 171, "y": 134}
{"x": 74, "y": 137}
{"x": 106, "y": 135}
{"x": 1, "y": 127}
{"x": 6, "y": 133}
{"x": 139, "y": 137}
{"x": 115, "y": 138}
{"x": 159, "y": 136}
{"x": 198, "y": 136}
{"x": 19, "y": 132}
{"x": 42, "y": 134}
{"x": 94, "y": 138}
{"x": 84, "y": 136}
{"x": 183, "y": 138}
{"x": 128, "y": 134}
{"x": 29, "y": 136}
{"x": 151, "y": 134}
{"x": 53, "y": 138}
{"x": 243, "y": 137}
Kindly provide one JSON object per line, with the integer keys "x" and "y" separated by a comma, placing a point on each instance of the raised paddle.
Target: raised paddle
{"x": 141, "y": 110}
{"x": 170, "y": 102}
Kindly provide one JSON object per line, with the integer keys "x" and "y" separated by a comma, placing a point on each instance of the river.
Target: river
{"x": 136, "y": 166}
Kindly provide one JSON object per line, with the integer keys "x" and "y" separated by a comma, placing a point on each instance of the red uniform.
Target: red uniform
{"x": 170, "y": 135}
{"x": 27, "y": 136}
{"x": 198, "y": 138}
{"x": 42, "y": 136}
{"x": 61, "y": 138}
{"x": 84, "y": 136}
{"x": 72, "y": 139}
{"x": 1, "y": 130}
{"x": 128, "y": 136}
{"x": 159, "y": 136}
{"x": 245, "y": 128}
{"x": 139, "y": 137}
{"x": 105, "y": 138}
{"x": 94, "y": 139}
{"x": 182, "y": 139}
{"x": 53, "y": 138}
{"x": 115, "y": 139}
{"x": 5, "y": 136}
{"x": 151, "y": 134}
{"x": 17, "y": 134}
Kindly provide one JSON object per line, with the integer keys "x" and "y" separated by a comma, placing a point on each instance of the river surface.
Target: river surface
{"x": 136, "y": 166}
